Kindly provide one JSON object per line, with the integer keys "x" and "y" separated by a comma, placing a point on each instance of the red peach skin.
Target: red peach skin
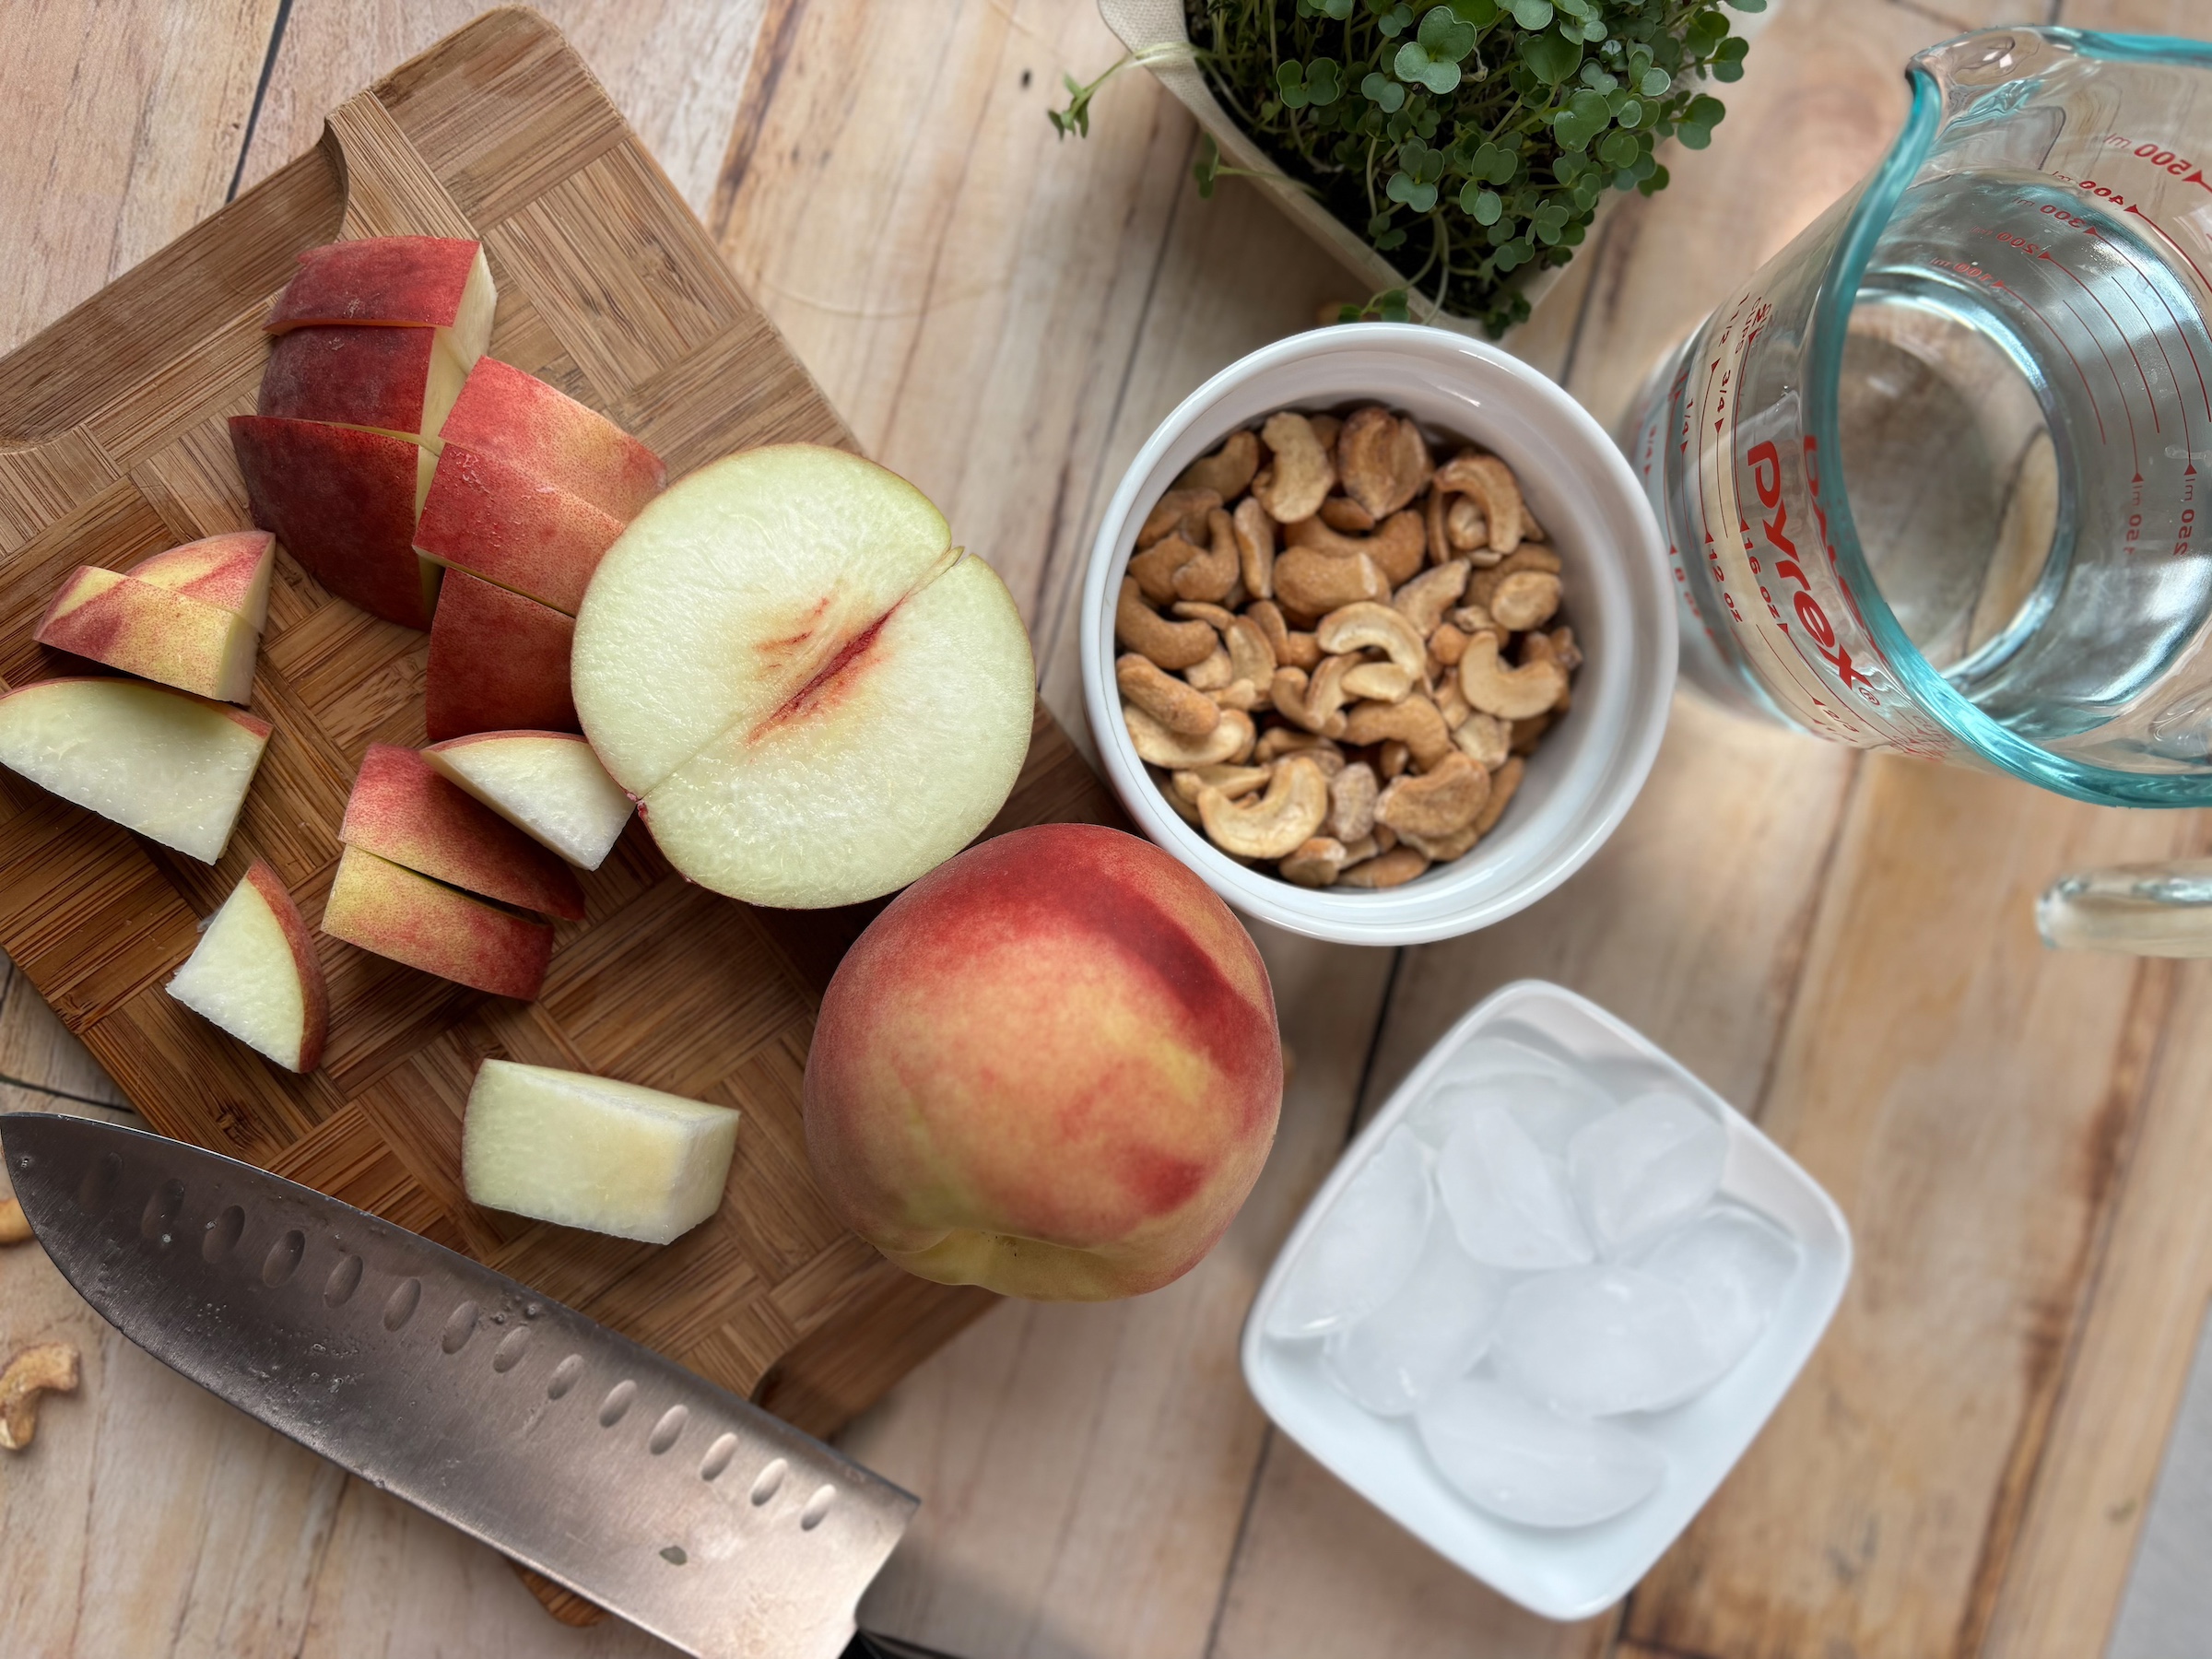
{"x": 371, "y": 377}
{"x": 342, "y": 502}
{"x": 382, "y": 907}
{"x": 521, "y": 421}
{"x": 498, "y": 663}
{"x": 1050, "y": 1067}
{"x": 417, "y": 280}
{"x": 401, "y": 810}
{"x": 499, "y": 523}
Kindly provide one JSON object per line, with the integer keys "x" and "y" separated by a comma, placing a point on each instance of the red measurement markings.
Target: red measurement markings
{"x": 2166, "y": 160}
{"x": 1967, "y": 268}
{"x": 2043, "y": 255}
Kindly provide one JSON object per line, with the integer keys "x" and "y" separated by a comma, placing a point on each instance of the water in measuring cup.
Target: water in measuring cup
{"x": 2023, "y": 410}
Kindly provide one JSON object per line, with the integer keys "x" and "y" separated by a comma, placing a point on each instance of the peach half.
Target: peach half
{"x": 401, "y": 808}
{"x": 389, "y": 909}
{"x": 171, "y": 767}
{"x": 1049, "y": 1066}
{"x": 498, "y": 663}
{"x": 812, "y": 694}
{"x": 154, "y": 632}
{"x": 548, "y": 784}
{"x": 255, "y": 973}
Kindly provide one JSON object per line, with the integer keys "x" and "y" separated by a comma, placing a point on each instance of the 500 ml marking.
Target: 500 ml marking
{"x": 2158, "y": 156}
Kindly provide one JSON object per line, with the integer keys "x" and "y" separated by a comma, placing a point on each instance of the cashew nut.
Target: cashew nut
{"x": 1212, "y": 573}
{"x": 1397, "y": 546}
{"x": 1231, "y": 781}
{"x": 1352, "y": 796}
{"x": 1299, "y": 477}
{"x": 49, "y": 1368}
{"x": 1313, "y": 704}
{"x": 1525, "y": 599}
{"x": 1447, "y": 644}
{"x": 1154, "y": 569}
{"x": 1415, "y": 722}
{"x": 13, "y": 1227}
{"x": 1212, "y": 673}
{"x": 1390, "y": 869}
{"x": 1173, "y": 797}
{"x": 1309, "y": 582}
{"x": 1511, "y": 693}
{"x": 1277, "y": 741}
{"x": 1313, "y": 864}
{"x": 1485, "y": 739}
{"x": 1379, "y": 682}
{"x": 1530, "y": 530}
{"x": 1230, "y": 739}
{"x": 1506, "y": 780}
{"x": 1326, "y": 427}
{"x": 1464, "y": 527}
{"x": 1490, "y": 482}
{"x": 1564, "y": 650}
{"x": 1371, "y": 627}
{"x": 1278, "y": 822}
{"x": 1539, "y": 647}
{"x": 1526, "y": 731}
{"x": 1242, "y": 694}
{"x": 1454, "y": 708}
{"x": 1145, "y": 631}
{"x": 1442, "y": 849}
{"x": 1227, "y": 470}
{"x": 1341, "y": 513}
{"x": 1251, "y": 658}
{"x": 1293, "y": 649}
{"x": 1173, "y": 510}
{"x": 1256, "y": 547}
{"x": 1384, "y": 837}
{"x": 1472, "y": 619}
{"x": 1485, "y": 582}
{"x": 1391, "y": 761}
{"x": 1381, "y": 459}
{"x": 1184, "y": 709}
{"x": 1365, "y": 848}
{"x": 1436, "y": 802}
{"x": 1424, "y": 599}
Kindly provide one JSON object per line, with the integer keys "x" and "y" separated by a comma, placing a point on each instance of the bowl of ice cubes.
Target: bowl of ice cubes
{"x": 1545, "y": 1300}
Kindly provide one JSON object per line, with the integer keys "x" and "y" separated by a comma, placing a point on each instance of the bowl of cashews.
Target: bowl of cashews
{"x": 1378, "y": 634}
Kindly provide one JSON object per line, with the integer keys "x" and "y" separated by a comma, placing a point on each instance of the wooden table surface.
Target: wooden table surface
{"x": 1840, "y": 943}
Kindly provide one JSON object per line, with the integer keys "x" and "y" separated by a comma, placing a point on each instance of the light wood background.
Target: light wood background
{"x": 1840, "y": 943}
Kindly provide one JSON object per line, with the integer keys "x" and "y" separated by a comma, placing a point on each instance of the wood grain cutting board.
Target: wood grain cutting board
{"x": 112, "y": 446}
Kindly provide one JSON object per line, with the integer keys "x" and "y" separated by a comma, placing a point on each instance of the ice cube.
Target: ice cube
{"x": 1551, "y": 1103}
{"x": 1735, "y": 1268}
{"x": 1508, "y": 1201}
{"x": 1364, "y": 1247}
{"x": 1528, "y": 1464}
{"x": 1600, "y": 1340}
{"x": 1645, "y": 1168}
{"x": 1432, "y": 1331}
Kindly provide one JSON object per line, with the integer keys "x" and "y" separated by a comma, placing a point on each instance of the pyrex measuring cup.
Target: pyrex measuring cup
{"x": 1929, "y": 479}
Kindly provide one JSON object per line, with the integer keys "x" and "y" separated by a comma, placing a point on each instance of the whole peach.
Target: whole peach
{"x": 1050, "y": 1067}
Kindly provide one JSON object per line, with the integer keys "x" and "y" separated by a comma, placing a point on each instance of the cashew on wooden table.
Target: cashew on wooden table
{"x": 1336, "y": 652}
{"x": 49, "y": 1368}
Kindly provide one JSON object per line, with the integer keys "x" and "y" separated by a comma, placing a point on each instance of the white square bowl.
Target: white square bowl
{"x": 1569, "y": 1574}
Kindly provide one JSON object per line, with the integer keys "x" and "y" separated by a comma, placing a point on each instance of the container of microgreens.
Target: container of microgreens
{"x": 1453, "y": 154}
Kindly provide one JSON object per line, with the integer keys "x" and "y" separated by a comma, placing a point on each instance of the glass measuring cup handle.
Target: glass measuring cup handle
{"x": 2155, "y": 909}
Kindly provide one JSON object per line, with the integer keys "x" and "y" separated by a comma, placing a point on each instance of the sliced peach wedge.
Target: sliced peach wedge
{"x": 173, "y": 767}
{"x": 812, "y": 694}
{"x": 389, "y": 909}
{"x": 343, "y": 501}
{"x": 155, "y": 632}
{"x": 499, "y": 661}
{"x": 402, "y": 808}
{"x": 231, "y": 569}
{"x": 541, "y": 431}
{"x": 501, "y": 523}
{"x": 547, "y": 784}
{"x": 255, "y": 974}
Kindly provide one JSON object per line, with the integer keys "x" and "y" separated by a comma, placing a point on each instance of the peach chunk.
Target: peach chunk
{"x": 401, "y": 810}
{"x": 342, "y": 501}
{"x": 154, "y": 632}
{"x": 499, "y": 523}
{"x": 1049, "y": 1066}
{"x": 255, "y": 974}
{"x": 520, "y": 419}
{"x": 498, "y": 663}
{"x": 231, "y": 569}
{"x": 388, "y": 909}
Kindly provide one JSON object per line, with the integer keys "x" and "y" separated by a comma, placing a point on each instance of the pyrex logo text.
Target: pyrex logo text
{"x": 1765, "y": 461}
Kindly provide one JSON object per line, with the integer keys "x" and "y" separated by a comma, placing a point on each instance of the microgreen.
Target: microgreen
{"x": 1477, "y": 135}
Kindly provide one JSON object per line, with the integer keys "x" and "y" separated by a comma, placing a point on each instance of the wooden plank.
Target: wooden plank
{"x": 128, "y": 122}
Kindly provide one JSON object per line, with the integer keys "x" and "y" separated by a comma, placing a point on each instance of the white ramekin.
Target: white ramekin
{"x": 1588, "y": 768}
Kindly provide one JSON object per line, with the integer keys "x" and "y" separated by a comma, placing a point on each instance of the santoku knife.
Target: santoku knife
{"x": 571, "y": 1449}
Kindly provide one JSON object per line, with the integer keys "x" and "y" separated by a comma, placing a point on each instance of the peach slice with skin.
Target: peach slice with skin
{"x": 389, "y": 909}
{"x": 435, "y": 282}
{"x": 497, "y": 521}
{"x": 813, "y": 695}
{"x": 173, "y": 767}
{"x": 154, "y": 632}
{"x": 548, "y": 784}
{"x": 398, "y": 381}
{"x": 343, "y": 501}
{"x": 520, "y": 419}
{"x": 255, "y": 973}
{"x": 231, "y": 569}
{"x": 584, "y": 1151}
{"x": 498, "y": 663}
{"x": 404, "y": 810}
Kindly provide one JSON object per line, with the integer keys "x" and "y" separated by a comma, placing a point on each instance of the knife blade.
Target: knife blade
{"x": 561, "y": 1444}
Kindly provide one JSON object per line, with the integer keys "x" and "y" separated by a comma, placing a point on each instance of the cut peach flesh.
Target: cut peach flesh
{"x": 389, "y": 909}
{"x": 255, "y": 974}
{"x": 404, "y": 809}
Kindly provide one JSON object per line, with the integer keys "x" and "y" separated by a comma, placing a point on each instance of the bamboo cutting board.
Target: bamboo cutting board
{"x": 112, "y": 446}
